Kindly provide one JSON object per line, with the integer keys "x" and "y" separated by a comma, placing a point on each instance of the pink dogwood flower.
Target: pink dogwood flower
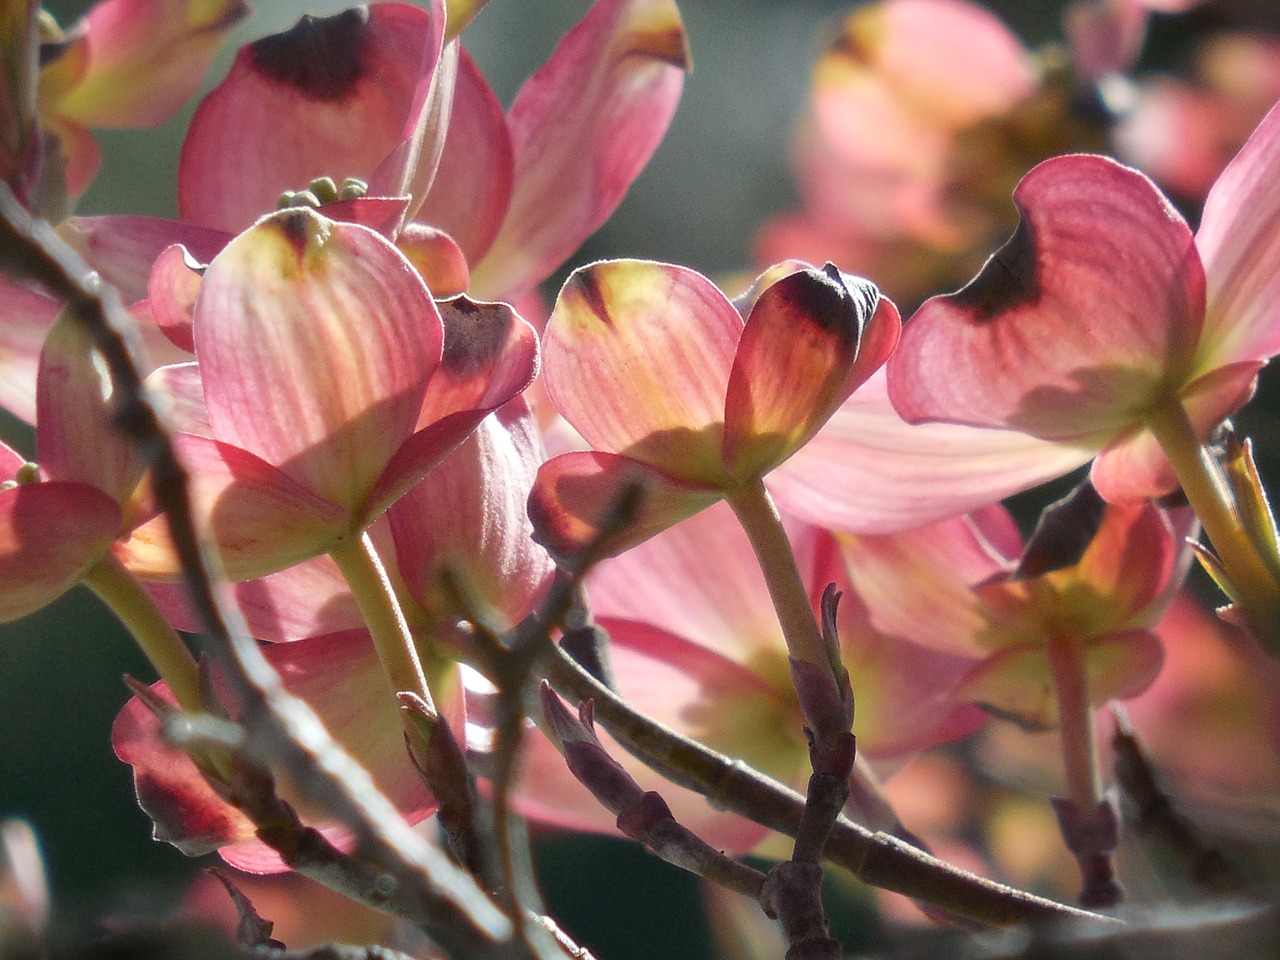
{"x": 663, "y": 376}
{"x": 964, "y": 586}
{"x": 379, "y": 388}
{"x": 462, "y": 530}
{"x": 1103, "y": 311}
{"x": 59, "y": 521}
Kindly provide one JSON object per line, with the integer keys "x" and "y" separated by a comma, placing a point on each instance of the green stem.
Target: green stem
{"x": 374, "y": 595}
{"x": 759, "y": 518}
{"x": 1256, "y": 589}
{"x": 1075, "y": 721}
{"x": 135, "y": 608}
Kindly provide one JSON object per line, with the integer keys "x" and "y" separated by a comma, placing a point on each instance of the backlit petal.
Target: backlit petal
{"x": 918, "y": 584}
{"x": 287, "y": 110}
{"x": 576, "y": 493}
{"x": 466, "y": 526}
{"x": 1017, "y": 683}
{"x": 335, "y": 316}
{"x": 583, "y": 127}
{"x": 1076, "y": 326}
{"x": 472, "y": 189}
{"x": 1239, "y": 241}
{"x": 146, "y": 58}
{"x": 261, "y": 520}
{"x": 810, "y": 340}
{"x": 867, "y": 471}
{"x": 490, "y": 355}
{"x": 637, "y": 358}
{"x": 78, "y": 439}
{"x": 50, "y": 534}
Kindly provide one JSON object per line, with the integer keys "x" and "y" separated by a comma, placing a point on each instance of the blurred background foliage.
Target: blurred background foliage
{"x": 722, "y": 170}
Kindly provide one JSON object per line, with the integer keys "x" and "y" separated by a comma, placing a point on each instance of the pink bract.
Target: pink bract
{"x": 1102, "y": 307}
{"x": 658, "y": 371}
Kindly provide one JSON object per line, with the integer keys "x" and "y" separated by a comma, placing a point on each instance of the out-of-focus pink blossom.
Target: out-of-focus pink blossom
{"x": 923, "y": 115}
{"x": 1185, "y": 132}
{"x": 958, "y": 587}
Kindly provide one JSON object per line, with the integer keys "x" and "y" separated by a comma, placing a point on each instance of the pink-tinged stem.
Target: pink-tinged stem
{"x": 363, "y": 570}
{"x": 1088, "y": 821}
{"x": 1075, "y": 721}
{"x": 1255, "y": 584}
{"x": 133, "y": 606}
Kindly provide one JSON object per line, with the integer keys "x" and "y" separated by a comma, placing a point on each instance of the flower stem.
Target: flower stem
{"x": 374, "y": 595}
{"x": 759, "y": 518}
{"x": 1075, "y": 721}
{"x": 1088, "y": 822}
{"x": 1256, "y": 589}
{"x": 135, "y": 608}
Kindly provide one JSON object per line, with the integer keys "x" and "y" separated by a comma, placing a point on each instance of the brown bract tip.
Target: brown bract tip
{"x": 475, "y": 333}
{"x": 1010, "y": 278}
{"x": 321, "y": 57}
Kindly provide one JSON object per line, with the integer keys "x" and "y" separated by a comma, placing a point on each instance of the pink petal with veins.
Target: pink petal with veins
{"x": 123, "y": 248}
{"x": 334, "y": 314}
{"x": 810, "y": 340}
{"x": 490, "y": 356}
{"x": 918, "y": 584}
{"x": 466, "y": 526}
{"x": 286, "y": 111}
{"x": 637, "y": 358}
{"x": 308, "y": 599}
{"x": 171, "y": 294}
{"x": 472, "y": 189}
{"x": 583, "y": 127}
{"x": 26, "y": 316}
{"x": 1073, "y": 329}
{"x": 867, "y": 471}
{"x": 50, "y": 534}
{"x": 670, "y": 582}
{"x": 576, "y": 493}
{"x": 1239, "y": 240}
{"x": 261, "y": 520}
{"x": 78, "y": 439}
